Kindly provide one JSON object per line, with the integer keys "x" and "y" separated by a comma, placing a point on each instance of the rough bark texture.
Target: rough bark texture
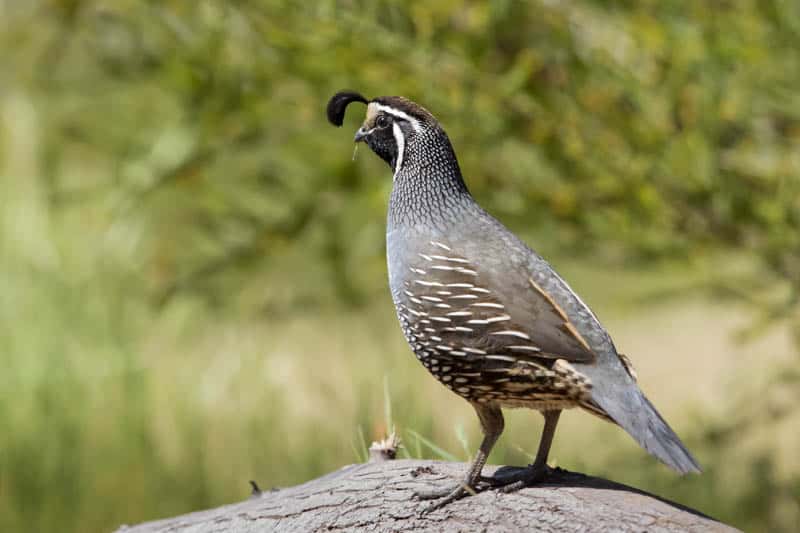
{"x": 377, "y": 496}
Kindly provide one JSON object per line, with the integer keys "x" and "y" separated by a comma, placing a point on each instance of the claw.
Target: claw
{"x": 444, "y": 496}
{"x": 459, "y": 490}
{"x": 507, "y": 484}
{"x": 513, "y": 487}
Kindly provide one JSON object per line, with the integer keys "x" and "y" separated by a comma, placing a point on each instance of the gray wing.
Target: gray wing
{"x": 513, "y": 317}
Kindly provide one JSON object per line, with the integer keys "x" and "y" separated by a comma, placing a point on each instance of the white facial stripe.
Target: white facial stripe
{"x": 401, "y": 146}
{"x": 399, "y": 114}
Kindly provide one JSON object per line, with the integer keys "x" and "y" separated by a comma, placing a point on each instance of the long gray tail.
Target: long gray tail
{"x": 642, "y": 421}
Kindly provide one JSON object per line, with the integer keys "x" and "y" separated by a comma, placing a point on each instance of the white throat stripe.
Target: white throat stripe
{"x": 400, "y": 139}
{"x": 399, "y": 114}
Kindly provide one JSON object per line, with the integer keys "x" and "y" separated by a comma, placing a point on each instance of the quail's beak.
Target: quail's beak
{"x": 361, "y": 134}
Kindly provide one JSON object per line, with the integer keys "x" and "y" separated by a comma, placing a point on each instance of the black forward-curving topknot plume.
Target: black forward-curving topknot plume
{"x": 338, "y": 103}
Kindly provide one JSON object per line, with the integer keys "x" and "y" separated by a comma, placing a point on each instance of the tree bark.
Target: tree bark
{"x": 377, "y": 496}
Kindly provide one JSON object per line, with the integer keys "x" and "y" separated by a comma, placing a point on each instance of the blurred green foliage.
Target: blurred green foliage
{"x": 166, "y": 169}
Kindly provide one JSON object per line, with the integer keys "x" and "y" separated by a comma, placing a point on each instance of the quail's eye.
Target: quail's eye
{"x": 382, "y": 121}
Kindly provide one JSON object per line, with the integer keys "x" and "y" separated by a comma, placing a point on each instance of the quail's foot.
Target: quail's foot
{"x": 520, "y": 479}
{"x": 449, "y": 494}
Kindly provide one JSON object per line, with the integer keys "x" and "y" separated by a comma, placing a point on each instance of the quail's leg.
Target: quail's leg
{"x": 491, "y": 419}
{"x": 539, "y": 469}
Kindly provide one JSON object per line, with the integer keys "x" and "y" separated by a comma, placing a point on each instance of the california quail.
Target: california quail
{"x": 485, "y": 314}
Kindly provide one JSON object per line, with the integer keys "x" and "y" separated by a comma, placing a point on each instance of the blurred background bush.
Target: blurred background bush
{"x": 192, "y": 279}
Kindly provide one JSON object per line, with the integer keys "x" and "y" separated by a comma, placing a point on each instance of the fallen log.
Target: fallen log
{"x": 377, "y": 496}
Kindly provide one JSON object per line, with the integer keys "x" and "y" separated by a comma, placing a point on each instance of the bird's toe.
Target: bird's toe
{"x": 444, "y": 496}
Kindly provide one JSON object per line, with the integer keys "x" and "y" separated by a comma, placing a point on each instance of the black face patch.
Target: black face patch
{"x": 382, "y": 142}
